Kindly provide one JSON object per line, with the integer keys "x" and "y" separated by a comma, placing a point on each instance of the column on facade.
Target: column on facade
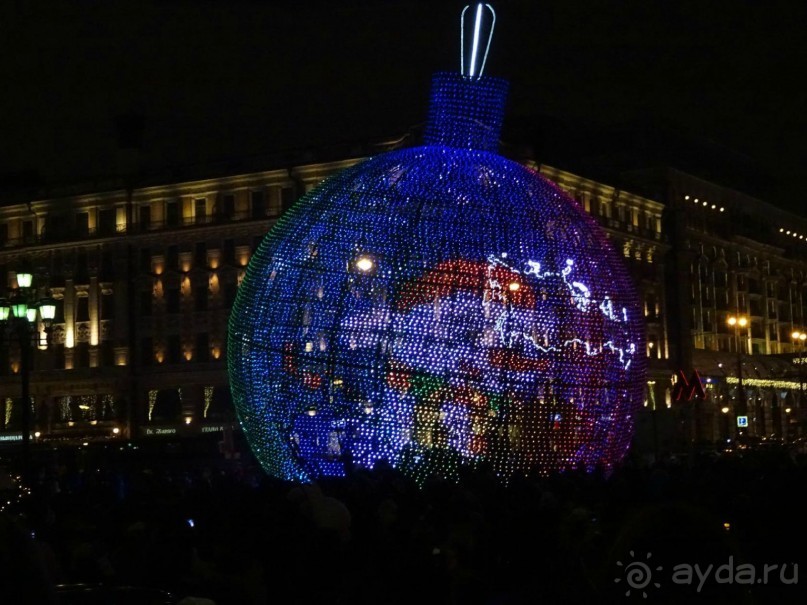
{"x": 95, "y": 326}
{"x": 120, "y": 332}
{"x": 69, "y": 323}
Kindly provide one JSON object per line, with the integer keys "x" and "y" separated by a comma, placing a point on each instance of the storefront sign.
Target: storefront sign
{"x": 215, "y": 428}
{"x": 150, "y": 431}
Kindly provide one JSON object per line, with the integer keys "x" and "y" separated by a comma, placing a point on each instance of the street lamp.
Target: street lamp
{"x": 18, "y": 315}
{"x": 737, "y": 322}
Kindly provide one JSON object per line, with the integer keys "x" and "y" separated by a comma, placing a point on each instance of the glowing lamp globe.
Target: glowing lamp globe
{"x": 437, "y": 308}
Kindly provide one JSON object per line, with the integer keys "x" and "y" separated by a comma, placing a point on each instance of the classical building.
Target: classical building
{"x": 144, "y": 274}
{"x": 143, "y": 279}
{"x": 737, "y": 280}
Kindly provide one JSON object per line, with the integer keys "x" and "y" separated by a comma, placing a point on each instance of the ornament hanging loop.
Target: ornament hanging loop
{"x": 481, "y": 19}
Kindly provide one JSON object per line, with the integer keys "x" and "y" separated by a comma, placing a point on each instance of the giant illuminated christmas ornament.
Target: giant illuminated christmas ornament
{"x": 438, "y": 307}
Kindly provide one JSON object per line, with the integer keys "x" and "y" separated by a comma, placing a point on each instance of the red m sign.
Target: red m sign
{"x": 687, "y": 390}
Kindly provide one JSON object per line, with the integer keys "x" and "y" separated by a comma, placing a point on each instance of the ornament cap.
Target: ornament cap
{"x": 466, "y": 112}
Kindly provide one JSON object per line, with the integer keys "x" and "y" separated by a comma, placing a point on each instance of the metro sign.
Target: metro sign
{"x": 687, "y": 390}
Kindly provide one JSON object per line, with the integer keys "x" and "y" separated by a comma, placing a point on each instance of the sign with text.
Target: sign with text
{"x": 151, "y": 431}
{"x": 742, "y": 421}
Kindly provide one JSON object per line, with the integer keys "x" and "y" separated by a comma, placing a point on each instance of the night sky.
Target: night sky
{"x": 228, "y": 78}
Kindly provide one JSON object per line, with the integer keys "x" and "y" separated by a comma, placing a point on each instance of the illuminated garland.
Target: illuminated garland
{"x": 764, "y": 382}
{"x": 437, "y": 308}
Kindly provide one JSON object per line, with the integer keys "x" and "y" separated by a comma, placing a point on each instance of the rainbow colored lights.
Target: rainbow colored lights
{"x": 437, "y": 307}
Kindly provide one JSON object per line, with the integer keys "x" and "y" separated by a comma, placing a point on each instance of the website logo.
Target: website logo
{"x": 638, "y": 575}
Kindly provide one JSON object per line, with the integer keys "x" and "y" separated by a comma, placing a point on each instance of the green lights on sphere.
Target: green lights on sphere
{"x": 437, "y": 307}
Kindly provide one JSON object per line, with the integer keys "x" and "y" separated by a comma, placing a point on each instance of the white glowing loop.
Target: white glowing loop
{"x": 472, "y": 71}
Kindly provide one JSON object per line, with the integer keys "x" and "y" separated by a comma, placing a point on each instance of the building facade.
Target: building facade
{"x": 144, "y": 277}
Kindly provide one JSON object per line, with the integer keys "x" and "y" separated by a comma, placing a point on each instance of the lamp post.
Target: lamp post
{"x": 799, "y": 338}
{"x": 737, "y": 322}
{"x": 17, "y": 315}
{"x": 725, "y": 421}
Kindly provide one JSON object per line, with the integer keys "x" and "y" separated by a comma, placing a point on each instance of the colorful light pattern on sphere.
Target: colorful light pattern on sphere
{"x": 437, "y": 307}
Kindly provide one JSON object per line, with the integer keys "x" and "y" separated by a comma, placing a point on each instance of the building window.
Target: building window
{"x": 230, "y": 290}
{"x": 172, "y": 300}
{"x": 145, "y": 261}
{"x": 145, "y": 218}
{"x": 286, "y": 197}
{"x": 107, "y": 354}
{"x": 172, "y": 214}
{"x": 200, "y": 255}
{"x": 107, "y": 273}
{"x": 59, "y": 318}
{"x": 174, "y": 349}
{"x": 28, "y": 231}
{"x": 258, "y": 204}
{"x": 228, "y": 252}
{"x": 3, "y": 234}
{"x": 57, "y": 351}
{"x": 273, "y": 204}
{"x": 83, "y": 308}
{"x": 200, "y": 298}
{"x": 202, "y": 347}
{"x": 145, "y": 303}
{"x": 107, "y": 306}
{"x": 82, "y": 223}
{"x": 106, "y": 221}
{"x": 172, "y": 258}
{"x": 146, "y": 351}
{"x": 167, "y": 406}
{"x": 82, "y": 273}
{"x": 228, "y": 206}
{"x": 81, "y": 355}
{"x": 200, "y": 210}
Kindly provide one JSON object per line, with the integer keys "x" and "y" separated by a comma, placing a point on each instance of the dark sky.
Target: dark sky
{"x": 223, "y": 78}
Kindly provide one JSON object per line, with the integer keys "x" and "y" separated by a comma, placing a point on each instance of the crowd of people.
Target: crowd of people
{"x": 225, "y": 532}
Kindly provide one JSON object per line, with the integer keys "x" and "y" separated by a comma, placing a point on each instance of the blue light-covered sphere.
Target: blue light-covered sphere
{"x": 437, "y": 307}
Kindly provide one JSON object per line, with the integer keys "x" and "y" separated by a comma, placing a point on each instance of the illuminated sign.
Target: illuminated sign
{"x": 687, "y": 390}
{"x": 216, "y": 428}
{"x": 742, "y": 421}
{"x": 11, "y": 437}
{"x": 156, "y": 430}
